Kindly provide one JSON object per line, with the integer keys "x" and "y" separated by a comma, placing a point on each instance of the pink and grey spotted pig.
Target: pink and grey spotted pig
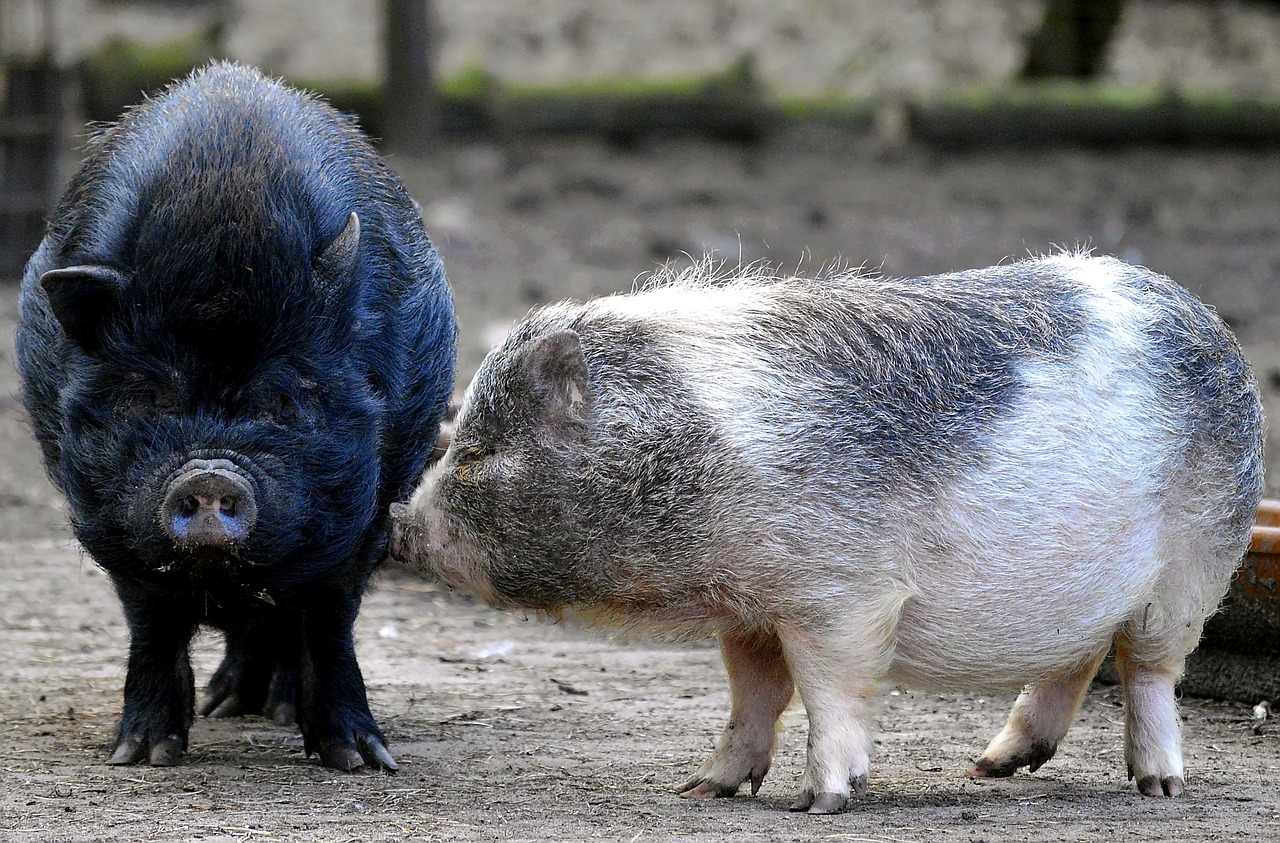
{"x": 976, "y": 481}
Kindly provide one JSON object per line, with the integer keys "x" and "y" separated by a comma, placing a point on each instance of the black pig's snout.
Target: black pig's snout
{"x": 209, "y": 504}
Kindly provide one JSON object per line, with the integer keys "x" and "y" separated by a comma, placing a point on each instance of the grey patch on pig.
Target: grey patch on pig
{"x": 972, "y": 481}
{"x": 656, "y": 482}
{"x": 1212, "y": 380}
{"x": 907, "y": 375}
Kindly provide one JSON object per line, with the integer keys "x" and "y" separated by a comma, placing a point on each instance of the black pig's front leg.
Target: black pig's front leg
{"x": 259, "y": 671}
{"x": 159, "y": 689}
{"x": 334, "y": 711}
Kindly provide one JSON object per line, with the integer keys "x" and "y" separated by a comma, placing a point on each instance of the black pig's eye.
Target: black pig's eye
{"x": 289, "y": 405}
{"x": 278, "y": 407}
{"x": 144, "y": 399}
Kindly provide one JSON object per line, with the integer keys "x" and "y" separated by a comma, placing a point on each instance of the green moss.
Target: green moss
{"x": 473, "y": 84}
{"x": 363, "y": 99}
{"x": 158, "y": 62}
{"x": 1078, "y": 95}
{"x": 1079, "y": 113}
{"x": 827, "y": 109}
{"x": 151, "y": 65}
{"x": 1228, "y": 103}
{"x": 122, "y": 71}
{"x": 736, "y": 81}
{"x": 1056, "y": 94}
{"x": 731, "y": 102}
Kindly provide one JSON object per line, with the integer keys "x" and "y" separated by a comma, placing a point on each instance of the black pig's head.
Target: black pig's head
{"x": 216, "y": 411}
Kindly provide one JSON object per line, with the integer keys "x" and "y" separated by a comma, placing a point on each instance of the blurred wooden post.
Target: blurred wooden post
{"x": 409, "y": 114}
{"x": 31, "y": 112}
{"x": 1072, "y": 40}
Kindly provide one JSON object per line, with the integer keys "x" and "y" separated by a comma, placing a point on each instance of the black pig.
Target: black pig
{"x": 237, "y": 343}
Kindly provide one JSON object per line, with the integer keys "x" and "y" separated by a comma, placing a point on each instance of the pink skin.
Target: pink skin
{"x": 399, "y": 514}
{"x": 422, "y": 539}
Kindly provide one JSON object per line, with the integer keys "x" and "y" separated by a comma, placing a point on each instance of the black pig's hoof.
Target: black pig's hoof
{"x": 217, "y": 707}
{"x": 132, "y": 749}
{"x": 167, "y": 753}
{"x": 367, "y": 750}
{"x": 243, "y": 687}
{"x": 343, "y": 756}
{"x": 282, "y": 713}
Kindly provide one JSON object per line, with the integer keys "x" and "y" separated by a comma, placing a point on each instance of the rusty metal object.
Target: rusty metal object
{"x": 1266, "y": 529}
{"x": 1239, "y": 657}
{"x": 1250, "y": 618}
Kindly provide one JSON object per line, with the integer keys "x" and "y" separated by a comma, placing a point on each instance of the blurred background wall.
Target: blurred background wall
{"x": 1136, "y": 71}
{"x": 855, "y": 48}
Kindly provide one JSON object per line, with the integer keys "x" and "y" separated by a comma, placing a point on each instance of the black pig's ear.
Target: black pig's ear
{"x": 338, "y": 259}
{"x": 82, "y": 298}
{"x": 558, "y": 377}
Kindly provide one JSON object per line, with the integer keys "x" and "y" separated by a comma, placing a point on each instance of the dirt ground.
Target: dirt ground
{"x": 507, "y": 728}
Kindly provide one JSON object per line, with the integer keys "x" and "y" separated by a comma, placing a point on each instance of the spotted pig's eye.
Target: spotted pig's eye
{"x": 467, "y": 459}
